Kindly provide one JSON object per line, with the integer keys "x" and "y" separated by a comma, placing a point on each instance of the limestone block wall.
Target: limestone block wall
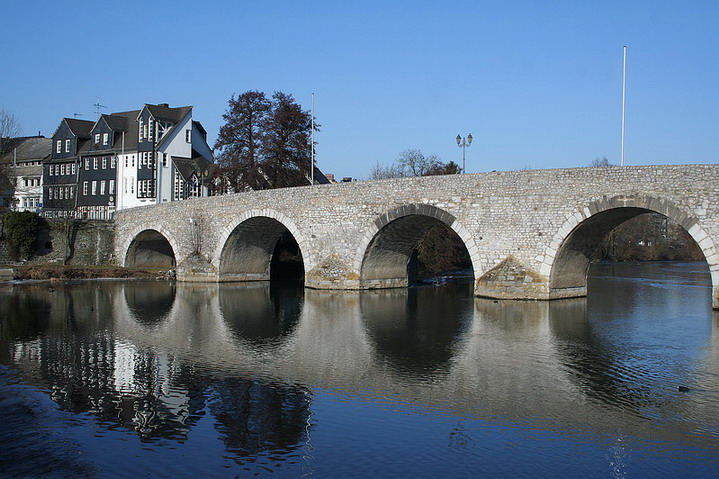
{"x": 525, "y": 216}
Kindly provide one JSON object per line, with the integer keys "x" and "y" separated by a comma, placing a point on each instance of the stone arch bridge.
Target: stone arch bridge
{"x": 530, "y": 234}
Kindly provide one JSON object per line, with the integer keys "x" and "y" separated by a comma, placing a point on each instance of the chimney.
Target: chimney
{"x": 166, "y": 105}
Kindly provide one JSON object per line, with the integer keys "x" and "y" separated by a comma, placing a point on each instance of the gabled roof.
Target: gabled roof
{"x": 164, "y": 113}
{"x": 79, "y": 128}
{"x": 116, "y": 123}
{"x": 197, "y": 165}
{"x": 26, "y": 148}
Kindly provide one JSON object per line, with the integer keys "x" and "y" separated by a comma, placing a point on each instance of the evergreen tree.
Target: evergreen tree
{"x": 241, "y": 140}
{"x": 287, "y": 143}
{"x": 264, "y": 143}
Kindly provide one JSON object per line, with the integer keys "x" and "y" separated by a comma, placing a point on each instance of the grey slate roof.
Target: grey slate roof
{"x": 116, "y": 122}
{"x": 165, "y": 113}
{"x": 81, "y": 128}
{"x": 27, "y": 148}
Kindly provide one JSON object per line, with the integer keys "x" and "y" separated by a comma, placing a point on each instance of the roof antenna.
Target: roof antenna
{"x": 98, "y": 106}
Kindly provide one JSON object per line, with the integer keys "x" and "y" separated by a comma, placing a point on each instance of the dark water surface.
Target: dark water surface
{"x": 137, "y": 379}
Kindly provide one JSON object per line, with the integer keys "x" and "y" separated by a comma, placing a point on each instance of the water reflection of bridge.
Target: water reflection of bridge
{"x": 145, "y": 356}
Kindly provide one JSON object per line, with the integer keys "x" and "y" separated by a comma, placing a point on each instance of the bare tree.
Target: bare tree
{"x": 381, "y": 172}
{"x": 600, "y": 162}
{"x": 198, "y": 232}
{"x": 9, "y": 128}
{"x": 415, "y": 163}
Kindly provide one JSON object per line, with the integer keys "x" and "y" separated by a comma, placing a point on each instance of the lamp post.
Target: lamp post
{"x": 464, "y": 143}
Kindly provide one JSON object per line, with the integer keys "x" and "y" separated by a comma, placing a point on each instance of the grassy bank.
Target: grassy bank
{"x": 79, "y": 272}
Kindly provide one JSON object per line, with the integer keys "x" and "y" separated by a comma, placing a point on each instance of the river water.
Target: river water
{"x": 136, "y": 379}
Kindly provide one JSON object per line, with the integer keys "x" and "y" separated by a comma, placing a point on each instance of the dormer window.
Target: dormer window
{"x": 105, "y": 138}
{"x": 97, "y": 138}
{"x": 67, "y": 146}
{"x": 58, "y": 148}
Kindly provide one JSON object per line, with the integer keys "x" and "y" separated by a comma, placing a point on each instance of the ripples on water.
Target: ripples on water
{"x": 151, "y": 378}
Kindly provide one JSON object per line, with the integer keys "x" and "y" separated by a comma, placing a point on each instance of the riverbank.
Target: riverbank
{"x": 60, "y": 272}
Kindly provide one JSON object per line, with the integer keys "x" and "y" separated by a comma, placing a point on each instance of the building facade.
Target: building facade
{"x": 152, "y": 155}
{"x": 21, "y": 164}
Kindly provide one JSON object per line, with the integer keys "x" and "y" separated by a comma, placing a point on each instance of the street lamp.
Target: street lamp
{"x": 464, "y": 143}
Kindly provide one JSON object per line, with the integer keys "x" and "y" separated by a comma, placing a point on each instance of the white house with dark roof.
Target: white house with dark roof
{"x": 22, "y": 162}
{"x": 153, "y": 166}
{"x": 131, "y": 158}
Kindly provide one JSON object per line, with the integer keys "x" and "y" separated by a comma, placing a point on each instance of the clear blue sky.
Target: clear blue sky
{"x": 538, "y": 84}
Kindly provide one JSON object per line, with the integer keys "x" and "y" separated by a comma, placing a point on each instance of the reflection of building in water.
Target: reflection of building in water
{"x": 87, "y": 367}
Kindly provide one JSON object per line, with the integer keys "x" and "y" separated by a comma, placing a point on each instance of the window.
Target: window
{"x": 113, "y": 162}
{"x": 111, "y": 187}
{"x": 97, "y": 138}
{"x": 140, "y": 130}
{"x": 94, "y": 188}
{"x": 104, "y": 162}
{"x": 73, "y": 168}
{"x": 102, "y": 187}
{"x": 125, "y": 162}
{"x": 87, "y": 163}
{"x": 62, "y": 170}
{"x": 62, "y": 193}
{"x": 151, "y": 127}
{"x": 94, "y": 163}
{"x": 67, "y": 146}
{"x": 164, "y": 159}
{"x": 72, "y": 192}
{"x": 188, "y": 136}
{"x": 49, "y": 193}
{"x": 58, "y": 148}
{"x": 84, "y": 188}
{"x": 105, "y": 138}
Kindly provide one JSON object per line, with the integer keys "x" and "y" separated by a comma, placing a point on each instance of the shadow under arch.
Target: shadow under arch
{"x": 150, "y": 249}
{"x": 579, "y": 241}
{"x": 416, "y": 330}
{"x": 260, "y": 248}
{"x": 388, "y": 251}
{"x": 262, "y": 313}
{"x": 150, "y": 304}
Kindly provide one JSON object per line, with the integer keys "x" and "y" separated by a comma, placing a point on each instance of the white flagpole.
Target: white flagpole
{"x": 312, "y": 167}
{"x": 624, "y": 98}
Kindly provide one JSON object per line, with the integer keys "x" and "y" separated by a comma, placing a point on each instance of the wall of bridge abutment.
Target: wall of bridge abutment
{"x": 517, "y": 226}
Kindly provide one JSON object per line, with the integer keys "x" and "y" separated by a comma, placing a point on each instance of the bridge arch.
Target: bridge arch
{"x": 150, "y": 248}
{"x": 387, "y": 246}
{"x": 247, "y": 244}
{"x": 576, "y": 244}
